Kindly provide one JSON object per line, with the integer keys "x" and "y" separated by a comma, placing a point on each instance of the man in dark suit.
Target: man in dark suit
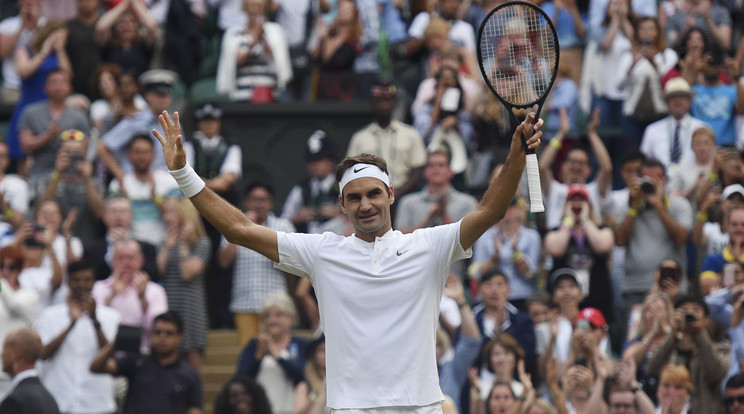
{"x": 117, "y": 216}
{"x": 27, "y": 395}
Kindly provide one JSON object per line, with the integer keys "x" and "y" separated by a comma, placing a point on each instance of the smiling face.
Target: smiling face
{"x": 367, "y": 204}
{"x": 503, "y": 360}
{"x": 277, "y": 321}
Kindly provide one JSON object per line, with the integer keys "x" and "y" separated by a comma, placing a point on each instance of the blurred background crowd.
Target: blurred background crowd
{"x": 626, "y": 296}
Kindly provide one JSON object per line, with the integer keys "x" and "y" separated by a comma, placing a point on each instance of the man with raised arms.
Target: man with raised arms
{"x": 378, "y": 290}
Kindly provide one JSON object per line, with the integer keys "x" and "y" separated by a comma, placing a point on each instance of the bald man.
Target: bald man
{"x": 27, "y": 395}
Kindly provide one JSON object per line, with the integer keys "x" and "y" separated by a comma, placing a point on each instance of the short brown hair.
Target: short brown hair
{"x": 508, "y": 342}
{"x": 349, "y": 162}
{"x": 676, "y": 374}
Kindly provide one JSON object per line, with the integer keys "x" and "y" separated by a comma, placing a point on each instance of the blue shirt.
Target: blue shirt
{"x": 564, "y": 25}
{"x": 716, "y": 106}
{"x": 118, "y": 137}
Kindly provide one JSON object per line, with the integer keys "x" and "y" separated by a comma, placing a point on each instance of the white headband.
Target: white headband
{"x": 361, "y": 171}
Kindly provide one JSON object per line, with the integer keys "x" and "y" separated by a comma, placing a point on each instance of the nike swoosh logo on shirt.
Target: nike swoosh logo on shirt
{"x": 400, "y": 253}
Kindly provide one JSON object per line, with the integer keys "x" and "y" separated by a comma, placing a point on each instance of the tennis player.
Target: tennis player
{"x": 378, "y": 290}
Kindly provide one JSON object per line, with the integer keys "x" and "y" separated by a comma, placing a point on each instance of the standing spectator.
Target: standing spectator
{"x": 45, "y": 53}
{"x": 18, "y": 306}
{"x": 117, "y": 218}
{"x": 689, "y": 345}
{"x": 158, "y": 89}
{"x": 160, "y": 382}
{"x": 146, "y": 188}
{"x": 653, "y": 225}
{"x": 712, "y": 19}
{"x": 15, "y": 33}
{"x": 21, "y": 349}
{"x": 399, "y": 144}
{"x": 276, "y": 358}
{"x": 82, "y": 47}
{"x": 58, "y": 9}
{"x": 297, "y": 19}
{"x": 337, "y": 51}
{"x": 74, "y": 188}
{"x": 575, "y": 169}
{"x": 307, "y": 392}
{"x": 254, "y": 276}
{"x": 717, "y": 103}
{"x": 127, "y": 34}
{"x": 437, "y": 203}
{"x": 72, "y": 333}
{"x": 182, "y": 261}
{"x": 461, "y": 33}
{"x": 713, "y": 236}
{"x": 130, "y": 291}
{"x": 514, "y": 249}
{"x": 254, "y": 58}
{"x": 41, "y": 126}
{"x": 314, "y": 200}
{"x": 41, "y": 270}
{"x": 581, "y": 244}
{"x": 571, "y": 30}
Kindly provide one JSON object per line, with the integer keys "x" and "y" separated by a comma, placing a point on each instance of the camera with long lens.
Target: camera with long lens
{"x": 647, "y": 187}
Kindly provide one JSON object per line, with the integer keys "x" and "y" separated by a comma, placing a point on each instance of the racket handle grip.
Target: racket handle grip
{"x": 533, "y": 184}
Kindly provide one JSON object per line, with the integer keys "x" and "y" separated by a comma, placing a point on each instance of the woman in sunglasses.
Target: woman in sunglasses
{"x": 18, "y": 306}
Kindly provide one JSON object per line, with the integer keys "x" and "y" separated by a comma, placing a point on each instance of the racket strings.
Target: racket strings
{"x": 518, "y": 52}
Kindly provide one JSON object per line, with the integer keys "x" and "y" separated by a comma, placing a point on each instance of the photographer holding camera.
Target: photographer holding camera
{"x": 654, "y": 224}
{"x": 689, "y": 344}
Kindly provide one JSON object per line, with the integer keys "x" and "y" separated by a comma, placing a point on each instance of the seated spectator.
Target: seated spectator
{"x": 499, "y": 360}
{"x": 276, "y": 358}
{"x": 254, "y": 276}
{"x": 182, "y": 261}
{"x": 117, "y": 218}
{"x": 307, "y": 391}
{"x": 707, "y": 361}
{"x": 314, "y": 200}
{"x": 14, "y": 201}
{"x": 675, "y": 389}
{"x": 711, "y": 271}
{"x": 37, "y": 274}
{"x": 691, "y": 175}
{"x": 646, "y": 336}
{"x": 641, "y": 69}
{"x": 670, "y": 139}
{"x": 146, "y": 188}
{"x": 339, "y": 45}
{"x": 575, "y": 169}
{"x": 496, "y": 316}
{"x": 41, "y": 126}
{"x": 45, "y": 53}
{"x": 242, "y": 395}
{"x": 158, "y": 88}
{"x": 512, "y": 247}
{"x": 21, "y": 350}
{"x": 74, "y": 188}
{"x": 442, "y": 119}
{"x": 130, "y": 291}
{"x": 254, "y": 60}
{"x": 711, "y": 232}
{"x": 454, "y": 359}
{"x": 734, "y": 394}
{"x": 581, "y": 244}
{"x": 160, "y": 382}
{"x": 18, "y": 306}
{"x": 127, "y": 34}
{"x": 712, "y": 19}
{"x": 461, "y": 33}
{"x": 72, "y": 334}
{"x": 16, "y": 33}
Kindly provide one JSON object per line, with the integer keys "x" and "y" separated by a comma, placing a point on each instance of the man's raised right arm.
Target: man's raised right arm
{"x": 230, "y": 221}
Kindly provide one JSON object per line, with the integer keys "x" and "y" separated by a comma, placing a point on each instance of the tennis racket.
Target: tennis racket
{"x": 518, "y": 57}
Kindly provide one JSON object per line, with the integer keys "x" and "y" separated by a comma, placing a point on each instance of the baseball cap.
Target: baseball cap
{"x": 594, "y": 316}
{"x": 564, "y": 273}
{"x": 577, "y": 189}
{"x": 731, "y": 190}
{"x": 208, "y": 111}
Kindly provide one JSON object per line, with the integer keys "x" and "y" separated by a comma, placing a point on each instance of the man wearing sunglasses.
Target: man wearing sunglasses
{"x": 161, "y": 382}
{"x": 733, "y": 395}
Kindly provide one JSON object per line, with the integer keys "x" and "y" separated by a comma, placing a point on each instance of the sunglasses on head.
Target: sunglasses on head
{"x": 72, "y": 134}
{"x": 730, "y": 400}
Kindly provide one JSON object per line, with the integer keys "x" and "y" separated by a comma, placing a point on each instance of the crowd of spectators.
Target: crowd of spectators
{"x": 624, "y": 297}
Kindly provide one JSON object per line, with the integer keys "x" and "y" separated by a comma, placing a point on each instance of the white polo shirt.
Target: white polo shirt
{"x": 379, "y": 308}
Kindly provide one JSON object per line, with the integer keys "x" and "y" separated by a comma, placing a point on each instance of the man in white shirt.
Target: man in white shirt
{"x": 669, "y": 140}
{"x": 378, "y": 290}
{"x": 72, "y": 334}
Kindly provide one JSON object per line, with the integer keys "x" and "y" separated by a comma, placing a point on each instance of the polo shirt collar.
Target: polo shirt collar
{"x": 385, "y": 237}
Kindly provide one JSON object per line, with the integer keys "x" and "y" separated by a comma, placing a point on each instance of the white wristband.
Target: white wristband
{"x": 188, "y": 181}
